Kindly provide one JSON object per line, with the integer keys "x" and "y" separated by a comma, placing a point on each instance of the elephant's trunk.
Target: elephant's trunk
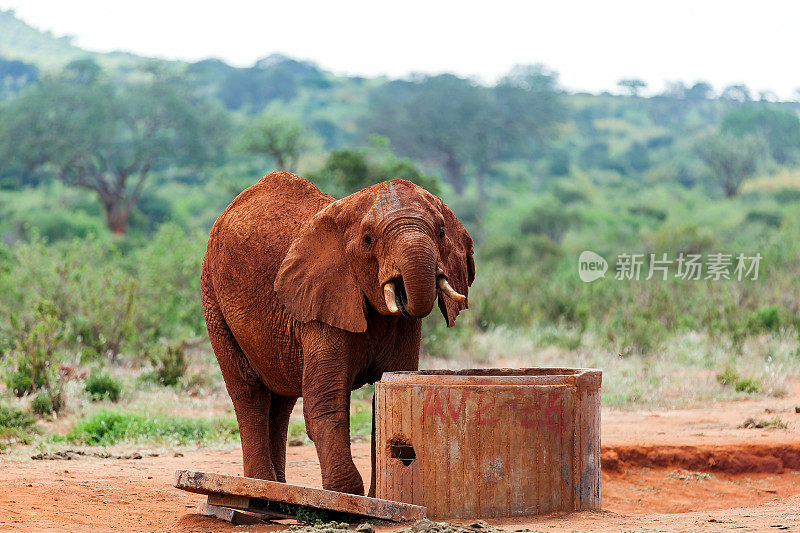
{"x": 417, "y": 258}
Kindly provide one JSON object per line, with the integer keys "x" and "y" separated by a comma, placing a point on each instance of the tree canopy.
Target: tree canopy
{"x": 781, "y": 129}
{"x": 455, "y": 123}
{"x": 90, "y": 133}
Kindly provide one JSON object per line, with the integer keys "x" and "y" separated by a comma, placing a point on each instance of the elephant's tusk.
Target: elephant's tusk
{"x": 450, "y": 291}
{"x": 388, "y": 294}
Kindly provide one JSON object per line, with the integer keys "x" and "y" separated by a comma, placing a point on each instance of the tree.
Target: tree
{"x": 521, "y": 117}
{"x": 278, "y": 136}
{"x": 731, "y": 159}
{"x": 90, "y": 133}
{"x": 15, "y": 75}
{"x": 736, "y": 93}
{"x": 701, "y": 90}
{"x": 455, "y": 123}
{"x": 632, "y": 85}
{"x": 348, "y": 170}
{"x": 780, "y": 129}
{"x": 431, "y": 119}
{"x": 675, "y": 89}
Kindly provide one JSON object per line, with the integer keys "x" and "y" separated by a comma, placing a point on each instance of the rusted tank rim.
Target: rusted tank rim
{"x": 583, "y": 377}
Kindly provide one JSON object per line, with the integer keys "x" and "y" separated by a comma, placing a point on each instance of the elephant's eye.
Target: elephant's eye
{"x": 367, "y": 239}
{"x": 441, "y": 233}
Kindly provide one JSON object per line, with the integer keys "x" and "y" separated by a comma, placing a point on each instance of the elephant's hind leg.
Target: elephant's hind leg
{"x": 251, "y": 399}
{"x": 279, "y": 412}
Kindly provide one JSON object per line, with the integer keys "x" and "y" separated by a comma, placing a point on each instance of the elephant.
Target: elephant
{"x": 308, "y": 296}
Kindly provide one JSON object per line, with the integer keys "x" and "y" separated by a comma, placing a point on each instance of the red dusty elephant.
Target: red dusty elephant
{"x": 305, "y": 295}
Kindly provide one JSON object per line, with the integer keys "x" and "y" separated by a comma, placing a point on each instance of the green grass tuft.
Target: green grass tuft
{"x": 106, "y": 428}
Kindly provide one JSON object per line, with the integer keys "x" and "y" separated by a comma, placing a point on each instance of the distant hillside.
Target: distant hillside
{"x": 20, "y": 41}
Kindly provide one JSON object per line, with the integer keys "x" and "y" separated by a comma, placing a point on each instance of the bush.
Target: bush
{"x": 34, "y": 361}
{"x": 787, "y": 196}
{"x": 649, "y": 212}
{"x": 169, "y": 364}
{"x": 552, "y": 221}
{"x": 730, "y": 377}
{"x": 569, "y": 194}
{"x": 558, "y": 162}
{"x": 748, "y": 385}
{"x": 686, "y": 238}
{"x": 727, "y": 376}
{"x": 101, "y": 385}
{"x": 15, "y": 424}
{"x": 765, "y": 319}
{"x": 42, "y": 404}
{"x": 14, "y": 418}
{"x": 768, "y": 218}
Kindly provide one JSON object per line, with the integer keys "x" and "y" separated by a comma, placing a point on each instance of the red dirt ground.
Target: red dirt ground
{"x": 681, "y": 470}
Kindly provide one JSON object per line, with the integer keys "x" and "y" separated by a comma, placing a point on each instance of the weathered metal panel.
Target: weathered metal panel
{"x": 489, "y": 443}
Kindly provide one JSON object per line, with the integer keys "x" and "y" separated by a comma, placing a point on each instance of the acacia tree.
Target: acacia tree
{"x": 278, "y": 136}
{"x": 524, "y": 109}
{"x": 431, "y": 119}
{"x": 731, "y": 159}
{"x": 92, "y": 134}
{"x": 456, "y": 124}
{"x": 780, "y": 129}
{"x": 633, "y": 85}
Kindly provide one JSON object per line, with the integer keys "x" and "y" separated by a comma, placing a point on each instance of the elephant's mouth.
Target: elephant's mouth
{"x": 396, "y": 298}
{"x": 400, "y": 296}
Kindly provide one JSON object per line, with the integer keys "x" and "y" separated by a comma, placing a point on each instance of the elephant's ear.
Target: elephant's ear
{"x": 459, "y": 266}
{"x": 314, "y": 281}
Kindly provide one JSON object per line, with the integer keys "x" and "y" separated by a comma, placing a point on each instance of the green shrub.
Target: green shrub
{"x": 552, "y": 221}
{"x": 687, "y": 238}
{"x": 22, "y": 380}
{"x": 169, "y": 364}
{"x": 787, "y": 196}
{"x": 727, "y": 376}
{"x": 648, "y": 212}
{"x": 42, "y": 404}
{"x": 748, "y": 385}
{"x": 765, "y": 319}
{"x": 14, "y": 418}
{"x": 15, "y": 424}
{"x": 558, "y": 161}
{"x": 730, "y": 377}
{"x": 768, "y": 218}
{"x": 34, "y": 361}
{"x": 101, "y": 385}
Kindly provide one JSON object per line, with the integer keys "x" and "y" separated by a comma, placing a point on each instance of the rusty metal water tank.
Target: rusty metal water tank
{"x": 489, "y": 442}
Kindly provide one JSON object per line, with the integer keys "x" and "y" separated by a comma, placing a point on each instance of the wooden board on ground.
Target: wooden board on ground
{"x": 230, "y": 515}
{"x": 268, "y": 495}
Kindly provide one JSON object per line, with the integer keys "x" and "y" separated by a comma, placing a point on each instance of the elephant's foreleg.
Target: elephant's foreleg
{"x": 279, "y": 412}
{"x": 326, "y": 408}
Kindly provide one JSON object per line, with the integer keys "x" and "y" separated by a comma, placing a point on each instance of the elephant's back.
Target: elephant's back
{"x": 245, "y": 249}
{"x": 253, "y": 234}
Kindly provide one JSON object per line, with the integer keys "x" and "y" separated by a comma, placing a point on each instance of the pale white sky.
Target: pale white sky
{"x": 591, "y": 43}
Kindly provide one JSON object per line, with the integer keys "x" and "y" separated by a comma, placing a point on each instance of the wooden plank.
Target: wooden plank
{"x": 243, "y": 503}
{"x": 229, "y": 515}
{"x": 211, "y": 483}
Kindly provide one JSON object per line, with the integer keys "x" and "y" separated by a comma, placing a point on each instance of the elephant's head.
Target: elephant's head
{"x": 394, "y": 247}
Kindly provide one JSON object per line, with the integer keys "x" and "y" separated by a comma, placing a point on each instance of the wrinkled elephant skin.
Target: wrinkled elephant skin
{"x": 304, "y": 295}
